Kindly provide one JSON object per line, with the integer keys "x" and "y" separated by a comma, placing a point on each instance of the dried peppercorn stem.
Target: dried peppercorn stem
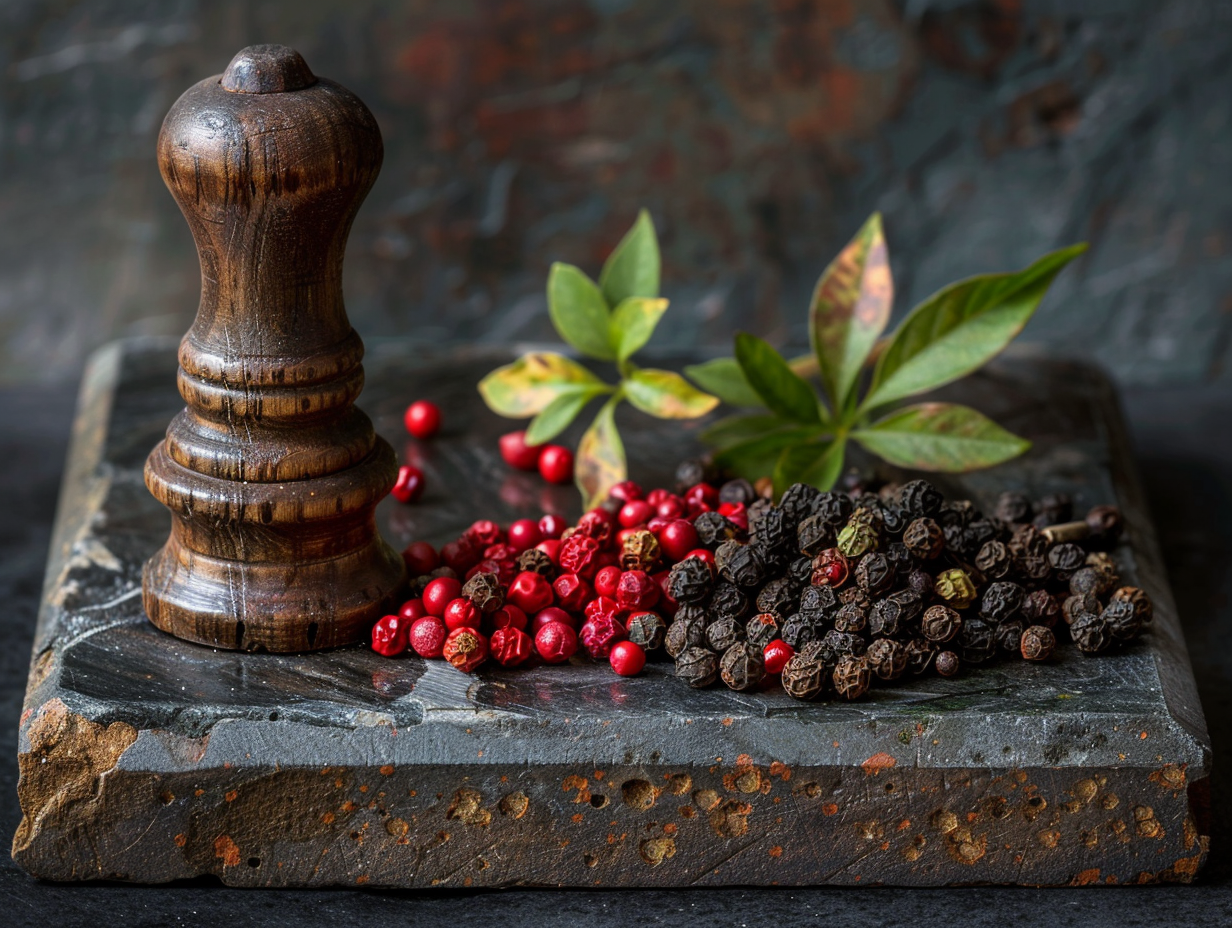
{"x": 1066, "y": 532}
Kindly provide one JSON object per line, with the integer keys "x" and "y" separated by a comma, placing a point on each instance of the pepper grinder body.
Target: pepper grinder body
{"x": 271, "y": 473}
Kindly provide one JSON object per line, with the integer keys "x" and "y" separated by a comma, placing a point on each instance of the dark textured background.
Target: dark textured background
{"x": 759, "y": 132}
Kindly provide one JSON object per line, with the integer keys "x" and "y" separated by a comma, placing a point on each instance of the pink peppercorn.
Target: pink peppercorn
{"x": 427, "y": 637}
{"x": 510, "y": 646}
{"x": 627, "y": 658}
{"x": 389, "y": 635}
{"x": 556, "y": 642}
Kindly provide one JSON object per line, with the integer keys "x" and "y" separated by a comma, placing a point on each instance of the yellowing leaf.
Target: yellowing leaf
{"x": 600, "y": 463}
{"x": 529, "y": 384}
{"x": 850, "y": 308}
{"x": 666, "y": 395}
{"x": 633, "y": 322}
{"x": 940, "y": 437}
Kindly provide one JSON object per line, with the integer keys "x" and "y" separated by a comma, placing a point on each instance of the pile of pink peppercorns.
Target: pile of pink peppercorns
{"x": 538, "y": 590}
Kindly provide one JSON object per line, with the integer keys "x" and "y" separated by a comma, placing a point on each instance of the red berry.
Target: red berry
{"x": 600, "y": 632}
{"x": 552, "y": 525}
{"x": 556, "y": 464}
{"x": 657, "y": 496}
{"x": 524, "y": 534}
{"x": 671, "y": 508}
{"x": 626, "y": 491}
{"x": 667, "y": 605}
{"x": 462, "y": 613}
{"x": 830, "y": 568}
{"x": 463, "y": 554}
{"x": 776, "y": 655}
{"x": 389, "y": 635}
{"x": 636, "y": 590}
{"x": 410, "y": 485}
{"x": 607, "y": 558}
{"x": 422, "y": 419}
{"x": 517, "y": 453}
{"x": 550, "y": 547}
{"x": 598, "y": 524}
{"x": 627, "y": 658}
{"x": 427, "y": 636}
{"x": 413, "y": 609}
{"x": 735, "y": 514}
{"x": 637, "y": 512}
{"x": 550, "y": 615}
{"x": 421, "y": 558}
{"x": 510, "y": 646}
{"x": 440, "y": 593}
{"x": 702, "y": 494}
{"x": 556, "y": 642}
{"x": 508, "y": 616}
{"x": 572, "y": 592}
{"x": 530, "y": 592}
{"x": 678, "y": 539}
{"x": 606, "y": 581}
{"x": 466, "y": 649}
{"x": 577, "y": 555}
{"x": 486, "y": 532}
{"x": 657, "y": 524}
{"x": 704, "y": 553}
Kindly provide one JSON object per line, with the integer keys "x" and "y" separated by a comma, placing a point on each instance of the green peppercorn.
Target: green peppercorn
{"x": 857, "y": 538}
{"x": 639, "y": 551}
{"x": 955, "y": 587}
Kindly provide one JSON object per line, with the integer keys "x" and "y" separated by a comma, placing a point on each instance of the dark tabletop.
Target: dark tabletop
{"x": 1184, "y": 451}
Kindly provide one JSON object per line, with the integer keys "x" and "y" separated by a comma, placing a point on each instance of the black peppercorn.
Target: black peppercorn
{"x": 799, "y": 629}
{"x": 697, "y": 667}
{"x": 819, "y": 601}
{"x": 887, "y": 658}
{"x": 1013, "y": 508}
{"x": 956, "y": 541}
{"x": 805, "y": 674}
{"x": 772, "y": 530}
{"x": 1141, "y": 602}
{"x": 1001, "y": 600}
{"x": 1087, "y": 580}
{"x": 722, "y": 633}
{"x": 976, "y": 640}
{"x": 874, "y": 574}
{"x": 800, "y": 572}
{"x": 979, "y": 533}
{"x": 853, "y": 594}
{"x": 1090, "y": 632}
{"x": 835, "y": 508}
{"x": 1034, "y": 567}
{"x": 947, "y": 663}
{"x": 485, "y": 591}
{"x": 1027, "y": 541}
{"x": 534, "y": 561}
{"x": 924, "y": 539}
{"x": 1054, "y": 509}
{"x": 690, "y": 581}
{"x": 691, "y": 472}
{"x": 1041, "y": 608}
{"x": 687, "y": 630}
{"x": 958, "y": 513}
{"x": 646, "y": 629}
{"x": 742, "y": 667}
{"x": 1037, "y": 643}
{"x": 920, "y": 498}
{"x": 1105, "y": 525}
{"x": 851, "y": 677}
{"x": 850, "y": 618}
{"x": 843, "y": 643}
{"x": 1078, "y": 604}
{"x": 993, "y": 560}
{"x": 741, "y": 564}
{"x": 728, "y": 600}
{"x": 1104, "y": 565}
{"x": 798, "y": 502}
{"x": 920, "y": 654}
{"x": 940, "y": 623}
{"x": 894, "y": 520}
{"x": 1064, "y": 559}
{"x": 761, "y": 630}
{"x": 1123, "y": 621}
{"x": 1008, "y": 633}
{"x": 778, "y": 596}
{"x": 893, "y": 615}
{"x": 737, "y": 491}
{"x": 815, "y": 534}
{"x": 920, "y": 582}
{"x": 714, "y": 529}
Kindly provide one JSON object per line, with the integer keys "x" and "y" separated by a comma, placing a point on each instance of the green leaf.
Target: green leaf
{"x": 528, "y": 385}
{"x": 724, "y": 378}
{"x": 600, "y": 457}
{"x": 666, "y": 395}
{"x": 817, "y": 463}
{"x": 633, "y": 268}
{"x": 579, "y": 312}
{"x": 633, "y": 322}
{"x": 757, "y": 457}
{"x": 782, "y": 390}
{"x": 736, "y": 429}
{"x": 850, "y": 308}
{"x": 960, "y": 328}
{"x": 942, "y": 437}
{"x": 557, "y": 415}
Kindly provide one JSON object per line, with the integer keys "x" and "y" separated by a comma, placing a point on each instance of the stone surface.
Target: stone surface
{"x": 146, "y": 758}
{"x": 760, "y": 134}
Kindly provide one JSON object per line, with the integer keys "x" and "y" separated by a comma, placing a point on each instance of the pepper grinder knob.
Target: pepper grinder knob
{"x": 271, "y": 472}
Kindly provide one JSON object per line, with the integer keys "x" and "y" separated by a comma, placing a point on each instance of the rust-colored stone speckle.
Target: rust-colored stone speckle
{"x": 731, "y": 819}
{"x": 226, "y": 851}
{"x": 467, "y": 807}
{"x": 181, "y": 839}
{"x": 1086, "y": 877}
{"x": 1170, "y": 776}
{"x": 514, "y": 805}
{"x": 656, "y": 850}
{"x": 877, "y": 763}
{"x": 638, "y": 794}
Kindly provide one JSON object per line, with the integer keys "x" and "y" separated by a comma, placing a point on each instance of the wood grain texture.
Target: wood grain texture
{"x": 271, "y": 473}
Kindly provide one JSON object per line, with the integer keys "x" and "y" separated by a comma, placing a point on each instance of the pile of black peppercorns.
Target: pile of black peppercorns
{"x": 869, "y": 587}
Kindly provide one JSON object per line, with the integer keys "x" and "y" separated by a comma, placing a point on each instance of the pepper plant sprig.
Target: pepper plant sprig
{"x": 804, "y": 436}
{"x": 608, "y": 321}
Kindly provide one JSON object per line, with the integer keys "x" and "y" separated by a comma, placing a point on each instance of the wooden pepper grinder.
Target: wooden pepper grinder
{"x": 271, "y": 473}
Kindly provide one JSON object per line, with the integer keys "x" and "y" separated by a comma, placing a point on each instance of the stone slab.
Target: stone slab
{"x": 148, "y": 759}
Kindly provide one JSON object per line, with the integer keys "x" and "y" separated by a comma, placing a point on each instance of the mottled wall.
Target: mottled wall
{"x": 759, "y": 132}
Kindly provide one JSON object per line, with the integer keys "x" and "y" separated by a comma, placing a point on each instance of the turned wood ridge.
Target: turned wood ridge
{"x": 271, "y": 473}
